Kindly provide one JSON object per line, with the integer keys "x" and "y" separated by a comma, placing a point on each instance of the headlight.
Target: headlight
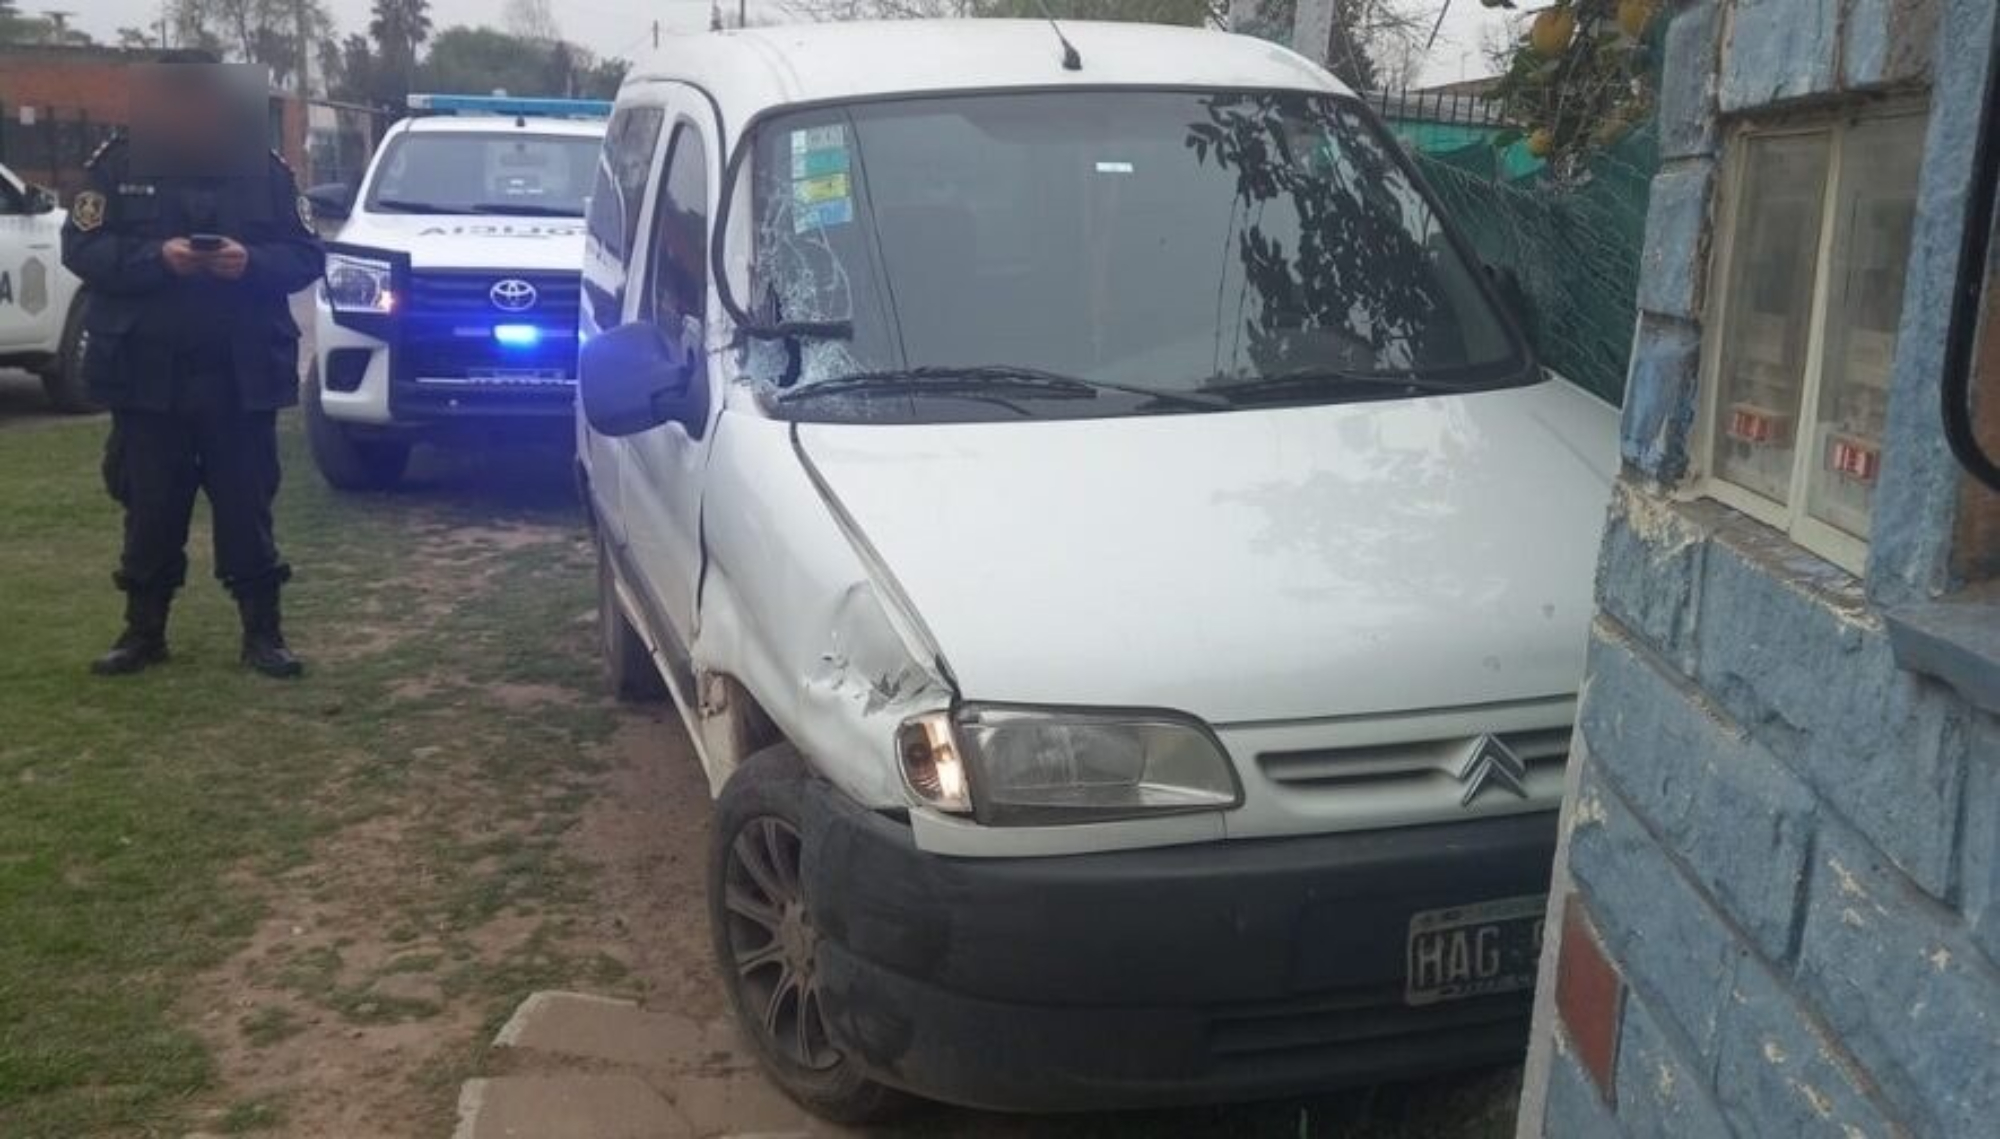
{"x": 1014, "y": 766}
{"x": 358, "y": 284}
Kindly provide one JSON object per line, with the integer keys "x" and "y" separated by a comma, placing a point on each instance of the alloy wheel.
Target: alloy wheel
{"x": 773, "y": 943}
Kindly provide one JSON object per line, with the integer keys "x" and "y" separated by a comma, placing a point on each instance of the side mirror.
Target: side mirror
{"x": 334, "y": 200}
{"x": 632, "y": 379}
{"x": 42, "y": 200}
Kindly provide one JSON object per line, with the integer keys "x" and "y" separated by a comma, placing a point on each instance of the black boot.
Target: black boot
{"x": 263, "y": 641}
{"x": 144, "y": 641}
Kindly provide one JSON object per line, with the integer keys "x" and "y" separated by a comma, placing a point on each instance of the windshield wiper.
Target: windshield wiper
{"x": 1319, "y": 381}
{"x": 943, "y": 379}
{"x": 525, "y": 209}
{"x": 408, "y": 206}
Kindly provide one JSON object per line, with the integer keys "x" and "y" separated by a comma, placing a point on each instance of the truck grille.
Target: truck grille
{"x": 447, "y": 331}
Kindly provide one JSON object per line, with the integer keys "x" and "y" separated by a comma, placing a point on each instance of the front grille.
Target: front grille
{"x": 447, "y": 332}
{"x": 1434, "y": 765}
{"x": 461, "y": 294}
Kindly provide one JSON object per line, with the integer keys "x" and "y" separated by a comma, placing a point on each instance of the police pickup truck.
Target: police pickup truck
{"x": 450, "y": 302}
{"x": 41, "y": 306}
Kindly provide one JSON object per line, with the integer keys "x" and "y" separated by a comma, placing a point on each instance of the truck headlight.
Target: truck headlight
{"x": 1024, "y": 766}
{"x": 359, "y": 284}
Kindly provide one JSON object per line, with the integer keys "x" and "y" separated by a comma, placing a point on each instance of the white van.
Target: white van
{"x": 450, "y": 300}
{"x": 41, "y": 302}
{"x": 1124, "y": 572}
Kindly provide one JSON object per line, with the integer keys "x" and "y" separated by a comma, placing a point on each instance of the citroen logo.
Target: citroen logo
{"x": 1491, "y": 761}
{"x": 512, "y": 294}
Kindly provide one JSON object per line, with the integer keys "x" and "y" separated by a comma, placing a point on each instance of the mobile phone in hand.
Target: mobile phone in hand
{"x": 205, "y": 242}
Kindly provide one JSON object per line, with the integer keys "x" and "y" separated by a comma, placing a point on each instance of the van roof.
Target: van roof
{"x": 750, "y": 69}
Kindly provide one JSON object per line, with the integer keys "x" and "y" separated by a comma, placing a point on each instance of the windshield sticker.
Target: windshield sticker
{"x": 822, "y": 195}
{"x": 818, "y": 163}
{"x": 820, "y": 138}
{"x": 1114, "y": 168}
{"x": 819, "y": 203}
{"x": 822, "y": 215}
{"x": 810, "y": 191}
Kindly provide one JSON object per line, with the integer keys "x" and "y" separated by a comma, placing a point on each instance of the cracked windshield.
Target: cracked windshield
{"x": 1240, "y": 246}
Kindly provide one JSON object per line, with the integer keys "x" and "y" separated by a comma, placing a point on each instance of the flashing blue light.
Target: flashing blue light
{"x": 517, "y": 335}
{"x": 539, "y": 108}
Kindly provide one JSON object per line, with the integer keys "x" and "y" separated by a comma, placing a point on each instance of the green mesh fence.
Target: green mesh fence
{"x": 1575, "y": 245}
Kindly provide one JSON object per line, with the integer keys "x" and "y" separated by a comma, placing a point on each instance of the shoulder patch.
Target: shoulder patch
{"x": 305, "y": 212}
{"x": 87, "y": 212}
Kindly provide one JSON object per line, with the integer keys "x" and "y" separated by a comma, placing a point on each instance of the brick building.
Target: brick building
{"x": 57, "y": 103}
{"x": 1778, "y": 897}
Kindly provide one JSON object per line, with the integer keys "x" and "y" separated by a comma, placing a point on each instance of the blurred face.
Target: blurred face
{"x": 207, "y": 115}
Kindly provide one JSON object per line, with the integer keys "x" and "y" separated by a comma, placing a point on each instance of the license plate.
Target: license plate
{"x": 1475, "y": 950}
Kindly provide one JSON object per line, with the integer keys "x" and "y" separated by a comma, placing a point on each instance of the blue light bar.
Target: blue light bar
{"x": 517, "y": 335}
{"x": 510, "y": 105}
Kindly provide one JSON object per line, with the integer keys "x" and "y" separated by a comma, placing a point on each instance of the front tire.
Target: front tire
{"x": 347, "y": 463}
{"x": 766, "y": 943}
{"x": 62, "y": 380}
{"x": 627, "y": 664}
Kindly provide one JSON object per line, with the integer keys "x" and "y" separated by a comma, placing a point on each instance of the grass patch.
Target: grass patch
{"x": 135, "y": 807}
{"x": 269, "y": 1025}
{"x": 247, "y": 1116}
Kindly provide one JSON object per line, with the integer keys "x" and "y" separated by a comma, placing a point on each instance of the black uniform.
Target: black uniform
{"x": 194, "y": 369}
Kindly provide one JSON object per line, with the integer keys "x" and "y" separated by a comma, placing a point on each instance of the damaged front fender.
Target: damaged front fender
{"x": 798, "y": 611}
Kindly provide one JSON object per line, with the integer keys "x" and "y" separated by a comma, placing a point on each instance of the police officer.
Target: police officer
{"x": 189, "y": 256}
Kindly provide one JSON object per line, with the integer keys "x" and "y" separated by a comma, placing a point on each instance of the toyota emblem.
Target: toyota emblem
{"x": 512, "y": 295}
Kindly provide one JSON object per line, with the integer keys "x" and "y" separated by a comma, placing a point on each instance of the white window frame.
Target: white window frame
{"x": 1792, "y": 517}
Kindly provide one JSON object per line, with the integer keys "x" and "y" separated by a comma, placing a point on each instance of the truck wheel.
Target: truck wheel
{"x": 347, "y": 463}
{"x": 766, "y": 944}
{"x": 626, "y": 662}
{"x": 62, "y": 380}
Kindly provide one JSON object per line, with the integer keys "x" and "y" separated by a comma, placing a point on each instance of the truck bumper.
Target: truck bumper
{"x": 1223, "y": 971}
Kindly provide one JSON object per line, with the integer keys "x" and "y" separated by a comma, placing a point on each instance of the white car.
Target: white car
{"x": 41, "y": 303}
{"x": 1122, "y": 567}
{"x": 450, "y": 302}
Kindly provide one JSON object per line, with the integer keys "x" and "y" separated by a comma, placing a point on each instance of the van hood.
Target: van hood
{"x": 461, "y": 241}
{"x": 1246, "y": 566}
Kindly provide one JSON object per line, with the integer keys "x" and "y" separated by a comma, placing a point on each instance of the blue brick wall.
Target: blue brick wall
{"x": 1788, "y": 845}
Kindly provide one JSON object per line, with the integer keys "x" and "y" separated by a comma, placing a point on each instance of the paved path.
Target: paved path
{"x": 573, "y": 1066}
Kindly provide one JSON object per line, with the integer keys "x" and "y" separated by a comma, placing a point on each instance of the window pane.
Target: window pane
{"x": 680, "y": 235}
{"x": 1878, "y": 186}
{"x": 1769, "y": 304}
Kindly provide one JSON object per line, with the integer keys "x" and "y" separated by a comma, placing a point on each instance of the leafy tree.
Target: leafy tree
{"x": 532, "y": 20}
{"x": 399, "y": 28}
{"x": 50, "y": 29}
{"x": 253, "y": 31}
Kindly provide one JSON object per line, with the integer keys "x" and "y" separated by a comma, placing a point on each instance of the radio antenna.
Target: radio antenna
{"x": 1071, "y": 61}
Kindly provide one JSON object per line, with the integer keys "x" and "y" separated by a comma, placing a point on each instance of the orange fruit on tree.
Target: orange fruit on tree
{"x": 1541, "y": 142}
{"x": 1552, "y": 31}
{"x": 1634, "y": 15}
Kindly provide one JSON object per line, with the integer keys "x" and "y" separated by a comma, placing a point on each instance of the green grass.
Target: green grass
{"x": 131, "y": 809}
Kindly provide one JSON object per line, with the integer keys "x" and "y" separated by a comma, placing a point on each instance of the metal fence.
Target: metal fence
{"x": 49, "y": 145}
{"x": 1441, "y": 107}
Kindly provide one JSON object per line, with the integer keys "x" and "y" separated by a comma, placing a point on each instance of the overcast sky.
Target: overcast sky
{"x": 622, "y": 27}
